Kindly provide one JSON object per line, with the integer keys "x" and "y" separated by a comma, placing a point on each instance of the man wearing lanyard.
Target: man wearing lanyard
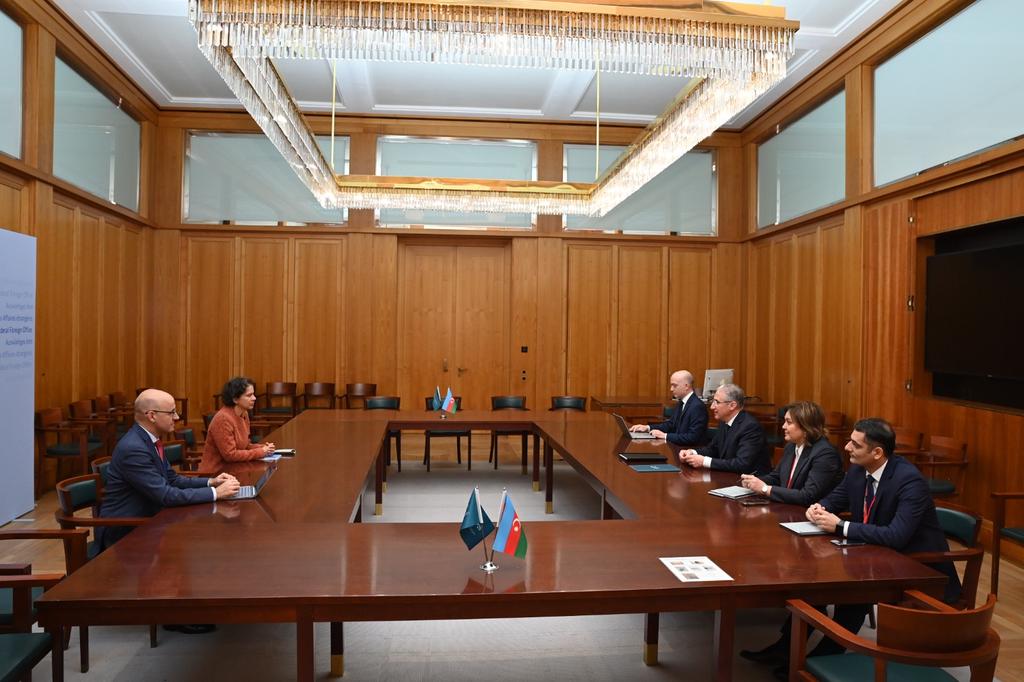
{"x": 889, "y": 504}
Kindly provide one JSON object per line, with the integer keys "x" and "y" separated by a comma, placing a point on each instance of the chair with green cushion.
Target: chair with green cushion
{"x": 20, "y": 648}
{"x": 319, "y": 391}
{"x": 102, "y": 427}
{"x": 387, "y": 402}
{"x": 280, "y": 399}
{"x": 963, "y": 526}
{"x": 501, "y": 403}
{"x": 943, "y": 462}
{"x": 1001, "y": 532}
{"x": 912, "y": 643}
{"x": 568, "y": 402}
{"x": 73, "y": 495}
{"x": 59, "y": 439}
{"x": 100, "y": 466}
{"x": 457, "y": 434}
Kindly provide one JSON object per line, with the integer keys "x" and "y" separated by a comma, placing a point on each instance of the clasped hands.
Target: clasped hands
{"x": 691, "y": 458}
{"x": 751, "y": 482}
{"x": 822, "y": 518}
{"x": 225, "y": 484}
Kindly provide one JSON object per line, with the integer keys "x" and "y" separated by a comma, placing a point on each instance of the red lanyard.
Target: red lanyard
{"x": 867, "y": 509}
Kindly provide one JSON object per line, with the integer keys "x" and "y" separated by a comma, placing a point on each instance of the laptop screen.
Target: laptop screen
{"x": 264, "y": 478}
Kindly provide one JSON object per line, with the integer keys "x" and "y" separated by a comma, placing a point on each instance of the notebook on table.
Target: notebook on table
{"x": 635, "y": 435}
{"x": 803, "y": 528}
{"x": 650, "y": 468}
{"x": 733, "y": 492}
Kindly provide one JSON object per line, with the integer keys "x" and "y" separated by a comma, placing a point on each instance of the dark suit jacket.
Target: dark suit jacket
{"x": 688, "y": 425}
{"x": 139, "y": 483}
{"x": 817, "y": 473}
{"x": 902, "y": 518}
{"x": 741, "y": 448}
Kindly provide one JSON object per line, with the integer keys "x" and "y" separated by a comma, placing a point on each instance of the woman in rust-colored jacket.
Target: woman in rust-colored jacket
{"x": 227, "y": 439}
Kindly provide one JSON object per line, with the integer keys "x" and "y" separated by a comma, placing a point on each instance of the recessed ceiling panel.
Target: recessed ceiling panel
{"x": 309, "y": 80}
{"x": 630, "y": 95}
{"x": 167, "y": 47}
{"x": 444, "y": 85}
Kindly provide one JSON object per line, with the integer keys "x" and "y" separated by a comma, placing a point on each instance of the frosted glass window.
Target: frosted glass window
{"x": 95, "y": 143}
{"x": 955, "y": 91}
{"x": 680, "y": 199}
{"x": 10, "y": 85}
{"x": 803, "y": 167}
{"x": 448, "y": 158}
{"x": 242, "y": 178}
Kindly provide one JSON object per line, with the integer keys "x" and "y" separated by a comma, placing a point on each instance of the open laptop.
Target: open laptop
{"x": 635, "y": 435}
{"x": 248, "y": 492}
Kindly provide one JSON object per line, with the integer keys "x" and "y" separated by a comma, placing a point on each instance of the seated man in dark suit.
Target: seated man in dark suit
{"x": 688, "y": 424}
{"x": 889, "y": 505}
{"x": 810, "y": 467}
{"x": 738, "y": 444}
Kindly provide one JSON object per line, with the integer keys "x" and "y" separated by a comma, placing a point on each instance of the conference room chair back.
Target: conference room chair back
{"x": 507, "y": 402}
{"x": 931, "y": 634}
{"x": 280, "y": 398}
{"x": 20, "y": 648}
{"x": 73, "y": 495}
{"x": 962, "y": 526}
{"x": 457, "y": 434}
{"x": 387, "y": 402}
{"x": 943, "y": 463}
{"x": 908, "y": 441}
{"x": 316, "y": 393}
{"x": 207, "y": 418}
{"x": 1001, "y": 532}
{"x": 100, "y": 465}
{"x": 63, "y": 441}
{"x": 568, "y": 402}
{"x": 358, "y": 393}
{"x": 102, "y": 428}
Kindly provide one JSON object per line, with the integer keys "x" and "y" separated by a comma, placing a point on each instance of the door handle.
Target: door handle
{"x": 444, "y": 365}
{"x": 461, "y": 370}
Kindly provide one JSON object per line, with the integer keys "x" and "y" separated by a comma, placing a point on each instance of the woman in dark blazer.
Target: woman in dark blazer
{"x": 810, "y": 467}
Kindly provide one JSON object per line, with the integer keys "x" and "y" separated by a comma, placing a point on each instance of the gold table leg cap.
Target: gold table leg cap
{"x": 378, "y": 509}
{"x": 650, "y": 654}
{"x": 536, "y": 486}
{"x": 338, "y": 665}
{"x": 384, "y": 487}
{"x": 549, "y": 508}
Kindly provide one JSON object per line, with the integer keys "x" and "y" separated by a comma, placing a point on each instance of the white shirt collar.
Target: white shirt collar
{"x": 682, "y": 401}
{"x": 877, "y": 474}
{"x": 152, "y": 438}
{"x": 729, "y": 423}
{"x": 799, "y": 450}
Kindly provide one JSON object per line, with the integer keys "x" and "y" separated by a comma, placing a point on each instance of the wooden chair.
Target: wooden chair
{"x": 963, "y": 526}
{"x": 359, "y": 392}
{"x": 457, "y": 434}
{"x": 568, "y": 402}
{"x": 1001, "y": 532}
{"x": 507, "y": 402}
{"x": 70, "y": 443}
{"x": 282, "y": 391}
{"x": 835, "y": 424}
{"x": 318, "y": 391}
{"x": 102, "y": 427}
{"x": 20, "y": 648}
{"x": 387, "y": 402}
{"x": 943, "y": 462}
{"x": 933, "y": 635}
{"x": 908, "y": 441}
{"x": 73, "y": 495}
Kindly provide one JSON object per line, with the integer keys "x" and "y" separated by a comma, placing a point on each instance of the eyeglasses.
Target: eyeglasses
{"x": 715, "y": 401}
{"x": 174, "y": 412}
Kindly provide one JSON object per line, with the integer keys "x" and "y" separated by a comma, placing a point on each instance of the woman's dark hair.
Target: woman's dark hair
{"x": 810, "y": 418}
{"x": 234, "y": 389}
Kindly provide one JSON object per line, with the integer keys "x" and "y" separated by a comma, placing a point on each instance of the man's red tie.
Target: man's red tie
{"x": 160, "y": 449}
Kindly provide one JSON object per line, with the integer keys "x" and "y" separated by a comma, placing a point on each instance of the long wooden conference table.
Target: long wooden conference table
{"x": 299, "y": 554}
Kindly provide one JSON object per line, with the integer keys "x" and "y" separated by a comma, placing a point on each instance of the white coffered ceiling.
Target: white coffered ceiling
{"x": 152, "y": 41}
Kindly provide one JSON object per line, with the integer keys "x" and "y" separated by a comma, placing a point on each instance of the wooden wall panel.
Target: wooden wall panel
{"x": 110, "y": 342}
{"x": 319, "y": 310}
{"x": 689, "y": 313}
{"x": 550, "y": 349}
{"x": 728, "y": 308}
{"x": 12, "y": 191}
{"x": 994, "y": 199}
{"x": 524, "y": 325}
{"x": 589, "y": 319}
{"x": 426, "y": 316}
{"x": 88, "y": 272}
{"x": 641, "y": 307}
{"x": 781, "y": 324}
{"x": 131, "y": 367}
{"x": 371, "y": 333}
{"x": 261, "y": 327}
{"x": 211, "y": 331}
{"x": 55, "y": 341}
{"x": 481, "y": 340}
{"x": 167, "y": 285}
{"x": 759, "y": 341}
{"x": 804, "y": 319}
{"x": 836, "y": 274}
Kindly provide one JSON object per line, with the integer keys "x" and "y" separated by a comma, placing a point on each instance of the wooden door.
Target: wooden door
{"x": 453, "y": 322}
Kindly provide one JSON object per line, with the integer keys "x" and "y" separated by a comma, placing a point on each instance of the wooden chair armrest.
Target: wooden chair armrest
{"x": 950, "y": 555}
{"x": 929, "y": 462}
{"x": 44, "y": 580}
{"x": 94, "y": 522}
{"x": 15, "y": 569}
{"x": 92, "y": 420}
{"x": 920, "y": 599}
{"x": 909, "y": 453}
{"x": 44, "y": 534}
{"x": 1009, "y": 496}
{"x": 802, "y": 611}
{"x": 63, "y": 427}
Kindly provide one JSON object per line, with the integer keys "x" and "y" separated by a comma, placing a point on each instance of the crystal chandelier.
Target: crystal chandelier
{"x": 734, "y": 52}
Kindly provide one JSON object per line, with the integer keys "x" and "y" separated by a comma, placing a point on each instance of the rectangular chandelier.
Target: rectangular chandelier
{"x": 729, "y": 53}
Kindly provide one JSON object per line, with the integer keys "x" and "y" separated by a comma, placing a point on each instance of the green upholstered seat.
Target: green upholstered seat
{"x": 82, "y": 493}
{"x": 1014, "y": 534}
{"x": 19, "y": 653}
{"x": 174, "y": 453}
{"x": 940, "y": 486}
{"x": 7, "y": 603}
{"x": 71, "y": 449}
{"x": 857, "y": 668}
{"x": 957, "y": 524}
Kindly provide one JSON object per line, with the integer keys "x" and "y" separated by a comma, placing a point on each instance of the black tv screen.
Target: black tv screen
{"x": 974, "y": 313}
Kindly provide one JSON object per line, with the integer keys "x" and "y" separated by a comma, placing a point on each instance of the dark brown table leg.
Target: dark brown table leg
{"x": 83, "y": 643}
{"x": 526, "y": 443}
{"x": 607, "y": 511}
{"x": 378, "y": 486}
{"x": 387, "y": 463}
{"x": 725, "y": 633}
{"x": 651, "y": 638}
{"x": 57, "y": 654}
{"x": 337, "y": 649}
{"x": 549, "y": 481}
{"x": 536, "y": 465}
{"x": 304, "y": 654}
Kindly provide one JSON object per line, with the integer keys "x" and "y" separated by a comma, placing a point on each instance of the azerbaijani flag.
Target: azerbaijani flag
{"x": 435, "y": 402}
{"x": 476, "y": 525}
{"x": 449, "y": 402}
{"x": 510, "y": 537}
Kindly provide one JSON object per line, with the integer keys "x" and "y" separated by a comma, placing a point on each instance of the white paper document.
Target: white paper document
{"x": 803, "y": 528}
{"x": 270, "y": 458}
{"x": 691, "y": 569}
{"x": 733, "y": 492}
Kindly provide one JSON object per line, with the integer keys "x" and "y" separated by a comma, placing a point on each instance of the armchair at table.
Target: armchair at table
{"x": 935, "y": 635}
{"x": 964, "y": 526}
{"x": 318, "y": 391}
{"x": 280, "y": 400}
{"x": 102, "y": 427}
{"x": 62, "y": 440}
{"x": 1001, "y": 532}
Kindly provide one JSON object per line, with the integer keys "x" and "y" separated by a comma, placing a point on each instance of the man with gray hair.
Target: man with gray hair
{"x": 688, "y": 424}
{"x": 739, "y": 444}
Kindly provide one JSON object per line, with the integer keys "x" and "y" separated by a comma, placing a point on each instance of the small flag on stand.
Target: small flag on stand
{"x": 476, "y": 525}
{"x": 449, "y": 402}
{"x": 435, "y": 402}
{"x": 510, "y": 537}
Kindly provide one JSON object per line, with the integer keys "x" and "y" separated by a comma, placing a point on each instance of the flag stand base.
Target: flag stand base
{"x": 489, "y": 567}
{"x": 444, "y": 415}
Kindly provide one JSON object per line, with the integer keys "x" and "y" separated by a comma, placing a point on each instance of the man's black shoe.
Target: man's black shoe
{"x": 191, "y": 629}
{"x": 775, "y": 653}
